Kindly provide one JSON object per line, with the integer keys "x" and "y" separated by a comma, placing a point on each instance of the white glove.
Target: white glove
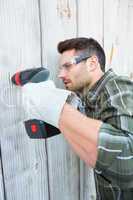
{"x": 44, "y": 101}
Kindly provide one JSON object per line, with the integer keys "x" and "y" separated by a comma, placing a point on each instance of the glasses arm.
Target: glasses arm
{"x": 80, "y": 58}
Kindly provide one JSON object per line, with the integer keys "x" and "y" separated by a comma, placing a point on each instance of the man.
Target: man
{"x": 102, "y": 135}
{"x": 104, "y": 140}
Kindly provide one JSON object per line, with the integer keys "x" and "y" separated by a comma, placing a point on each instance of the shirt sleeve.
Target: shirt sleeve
{"x": 115, "y": 142}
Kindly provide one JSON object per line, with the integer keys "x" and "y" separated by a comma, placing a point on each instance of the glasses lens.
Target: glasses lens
{"x": 75, "y": 60}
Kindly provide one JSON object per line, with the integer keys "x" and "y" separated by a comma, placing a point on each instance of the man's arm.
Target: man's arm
{"x": 81, "y": 132}
{"x": 106, "y": 148}
{"x": 102, "y": 146}
{"x": 106, "y": 145}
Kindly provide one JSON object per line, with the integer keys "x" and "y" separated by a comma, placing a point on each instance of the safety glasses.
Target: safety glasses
{"x": 76, "y": 60}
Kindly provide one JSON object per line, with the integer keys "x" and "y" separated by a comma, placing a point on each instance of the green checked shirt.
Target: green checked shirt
{"x": 111, "y": 101}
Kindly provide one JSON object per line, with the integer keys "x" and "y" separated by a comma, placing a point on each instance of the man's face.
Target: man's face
{"x": 74, "y": 76}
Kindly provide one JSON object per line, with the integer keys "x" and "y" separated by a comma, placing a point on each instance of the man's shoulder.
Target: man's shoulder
{"x": 119, "y": 84}
{"x": 115, "y": 88}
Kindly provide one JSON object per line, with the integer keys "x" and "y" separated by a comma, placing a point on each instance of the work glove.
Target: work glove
{"x": 41, "y": 99}
{"x": 44, "y": 101}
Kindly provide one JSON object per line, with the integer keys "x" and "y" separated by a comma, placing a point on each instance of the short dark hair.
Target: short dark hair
{"x": 87, "y": 45}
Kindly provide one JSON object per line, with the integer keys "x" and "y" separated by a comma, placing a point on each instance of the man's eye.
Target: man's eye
{"x": 67, "y": 65}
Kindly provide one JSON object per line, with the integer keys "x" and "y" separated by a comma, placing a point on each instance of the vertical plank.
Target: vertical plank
{"x": 117, "y": 35}
{"x": 1, "y": 181}
{"x": 58, "y": 20}
{"x": 129, "y": 40}
{"x": 30, "y": 32}
{"x": 90, "y": 19}
{"x": 90, "y": 24}
{"x": 87, "y": 183}
{"x": 25, "y": 170}
{"x": 20, "y": 36}
{"x": 24, "y": 160}
{"x": 111, "y": 13}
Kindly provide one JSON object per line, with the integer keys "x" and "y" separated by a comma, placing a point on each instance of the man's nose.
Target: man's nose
{"x": 62, "y": 73}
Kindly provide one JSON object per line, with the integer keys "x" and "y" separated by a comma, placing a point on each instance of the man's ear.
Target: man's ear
{"x": 92, "y": 63}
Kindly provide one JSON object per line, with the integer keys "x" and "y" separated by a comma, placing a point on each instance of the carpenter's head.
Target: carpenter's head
{"x": 82, "y": 62}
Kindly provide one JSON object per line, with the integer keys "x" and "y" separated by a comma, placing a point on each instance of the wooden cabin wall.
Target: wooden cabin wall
{"x": 29, "y": 34}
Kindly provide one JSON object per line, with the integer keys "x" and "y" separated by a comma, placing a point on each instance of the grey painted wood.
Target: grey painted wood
{"x": 87, "y": 184}
{"x": 30, "y": 30}
{"x": 118, "y": 29}
{"x": 90, "y": 24}
{"x": 63, "y": 163}
{"x": 90, "y": 19}
{"x": 24, "y": 160}
{"x": 1, "y": 181}
{"x": 20, "y": 35}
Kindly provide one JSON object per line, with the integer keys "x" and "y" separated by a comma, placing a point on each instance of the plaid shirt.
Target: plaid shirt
{"x": 111, "y": 101}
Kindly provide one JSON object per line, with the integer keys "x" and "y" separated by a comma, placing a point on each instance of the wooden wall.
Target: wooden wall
{"x": 29, "y": 33}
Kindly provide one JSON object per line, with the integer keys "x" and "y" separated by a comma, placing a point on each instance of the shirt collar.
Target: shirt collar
{"x": 91, "y": 95}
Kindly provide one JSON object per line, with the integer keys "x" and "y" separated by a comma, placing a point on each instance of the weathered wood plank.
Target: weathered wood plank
{"x": 24, "y": 160}
{"x": 58, "y": 23}
{"x": 1, "y": 181}
{"x": 25, "y": 169}
{"x": 129, "y": 41}
{"x": 118, "y": 35}
{"x": 90, "y": 19}
{"x": 90, "y": 24}
{"x": 49, "y": 169}
{"x": 20, "y": 36}
{"x": 110, "y": 30}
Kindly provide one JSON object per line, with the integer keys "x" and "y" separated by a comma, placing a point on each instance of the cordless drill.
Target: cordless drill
{"x": 35, "y": 128}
